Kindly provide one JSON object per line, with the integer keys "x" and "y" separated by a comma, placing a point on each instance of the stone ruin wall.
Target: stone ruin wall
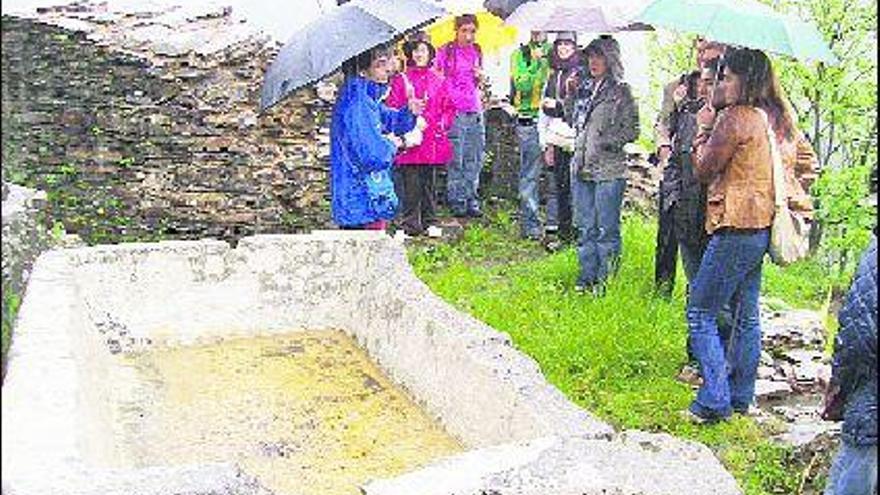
{"x": 146, "y": 122}
{"x": 142, "y": 124}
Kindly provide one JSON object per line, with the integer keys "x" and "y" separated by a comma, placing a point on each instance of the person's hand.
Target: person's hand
{"x": 679, "y": 93}
{"x": 421, "y": 123}
{"x": 549, "y": 103}
{"x": 549, "y": 157}
{"x": 706, "y": 117}
{"x": 663, "y": 153}
{"x": 416, "y": 106}
{"x": 537, "y": 53}
{"x": 571, "y": 83}
{"x": 478, "y": 72}
{"x": 395, "y": 139}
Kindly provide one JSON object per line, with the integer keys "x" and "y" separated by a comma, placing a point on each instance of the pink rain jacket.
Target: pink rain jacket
{"x": 439, "y": 114}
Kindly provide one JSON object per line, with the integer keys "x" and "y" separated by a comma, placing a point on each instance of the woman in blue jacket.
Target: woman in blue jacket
{"x": 364, "y": 137}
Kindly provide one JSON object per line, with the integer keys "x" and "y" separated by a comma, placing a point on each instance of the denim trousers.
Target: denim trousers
{"x": 468, "y": 137}
{"x": 559, "y": 201}
{"x": 854, "y": 471}
{"x": 530, "y": 168}
{"x": 597, "y": 207}
{"x": 730, "y": 273}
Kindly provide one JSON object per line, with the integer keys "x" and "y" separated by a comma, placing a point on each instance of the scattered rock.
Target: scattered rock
{"x": 767, "y": 389}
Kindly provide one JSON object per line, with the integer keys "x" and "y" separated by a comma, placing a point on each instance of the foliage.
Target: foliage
{"x": 846, "y": 217}
{"x": 837, "y": 105}
{"x": 619, "y": 364}
{"x": 671, "y": 55}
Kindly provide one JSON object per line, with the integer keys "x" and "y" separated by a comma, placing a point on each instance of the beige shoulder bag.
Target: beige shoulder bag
{"x": 790, "y": 231}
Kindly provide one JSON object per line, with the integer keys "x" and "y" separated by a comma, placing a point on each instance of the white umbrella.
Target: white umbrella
{"x": 594, "y": 16}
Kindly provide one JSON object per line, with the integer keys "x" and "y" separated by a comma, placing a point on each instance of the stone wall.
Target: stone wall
{"x": 145, "y": 122}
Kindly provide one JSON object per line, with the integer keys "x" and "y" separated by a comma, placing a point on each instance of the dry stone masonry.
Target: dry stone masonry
{"x": 141, "y": 121}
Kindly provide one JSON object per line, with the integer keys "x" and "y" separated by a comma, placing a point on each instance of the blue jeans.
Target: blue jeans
{"x": 597, "y": 215}
{"x": 854, "y": 471}
{"x": 730, "y": 273}
{"x": 468, "y": 137}
{"x": 529, "y": 175}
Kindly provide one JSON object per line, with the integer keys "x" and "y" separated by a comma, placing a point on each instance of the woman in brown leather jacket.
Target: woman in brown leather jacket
{"x": 732, "y": 156}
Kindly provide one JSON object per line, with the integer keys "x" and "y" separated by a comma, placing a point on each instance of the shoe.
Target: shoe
{"x": 553, "y": 245}
{"x": 750, "y": 411}
{"x": 597, "y": 289}
{"x": 474, "y": 212}
{"x": 434, "y": 232}
{"x": 690, "y": 375}
{"x": 551, "y": 229}
{"x": 696, "y": 419}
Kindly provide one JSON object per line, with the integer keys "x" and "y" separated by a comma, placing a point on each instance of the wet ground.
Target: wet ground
{"x": 307, "y": 413}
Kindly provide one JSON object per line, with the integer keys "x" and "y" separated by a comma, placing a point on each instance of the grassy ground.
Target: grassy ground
{"x": 616, "y": 356}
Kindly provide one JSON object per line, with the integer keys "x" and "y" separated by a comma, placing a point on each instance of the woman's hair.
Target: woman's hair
{"x": 691, "y": 79}
{"x": 410, "y": 47}
{"x": 364, "y": 60}
{"x": 465, "y": 19}
{"x": 760, "y": 86}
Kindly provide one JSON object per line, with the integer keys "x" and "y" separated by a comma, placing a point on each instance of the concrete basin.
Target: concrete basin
{"x": 88, "y": 310}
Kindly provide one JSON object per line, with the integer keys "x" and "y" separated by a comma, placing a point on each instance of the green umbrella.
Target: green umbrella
{"x": 746, "y": 23}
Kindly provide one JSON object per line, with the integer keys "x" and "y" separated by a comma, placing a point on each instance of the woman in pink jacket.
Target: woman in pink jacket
{"x": 429, "y": 146}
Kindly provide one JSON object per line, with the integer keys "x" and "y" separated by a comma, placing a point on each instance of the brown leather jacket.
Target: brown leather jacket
{"x": 734, "y": 160}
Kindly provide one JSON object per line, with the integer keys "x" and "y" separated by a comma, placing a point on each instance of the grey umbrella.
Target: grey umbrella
{"x": 503, "y": 8}
{"x": 323, "y": 45}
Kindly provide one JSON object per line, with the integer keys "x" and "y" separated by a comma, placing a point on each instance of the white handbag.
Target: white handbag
{"x": 414, "y": 137}
{"x": 790, "y": 231}
{"x": 559, "y": 133}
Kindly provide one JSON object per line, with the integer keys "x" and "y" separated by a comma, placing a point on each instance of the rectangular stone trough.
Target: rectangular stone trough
{"x": 87, "y": 310}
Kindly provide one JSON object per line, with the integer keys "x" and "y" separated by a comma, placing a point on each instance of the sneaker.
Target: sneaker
{"x": 551, "y": 229}
{"x": 694, "y": 418}
{"x": 690, "y": 375}
{"x": 474, "y": 212}
{"x": 553, "y": 245}
{"x": 750, "y": 411}
{"x": 580, "y": 288}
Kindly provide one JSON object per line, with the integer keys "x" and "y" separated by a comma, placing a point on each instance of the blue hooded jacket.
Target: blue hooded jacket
{"x": 358, "y": 146}
{"x": 854, "y": 365}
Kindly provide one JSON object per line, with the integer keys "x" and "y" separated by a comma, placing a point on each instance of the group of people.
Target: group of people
{"x": 720, "y": 129}
{"x": 390, "y": 131}
{"x": 574, "y": 115}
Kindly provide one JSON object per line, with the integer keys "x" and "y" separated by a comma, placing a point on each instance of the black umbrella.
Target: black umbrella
{"x": 324, "y": 44}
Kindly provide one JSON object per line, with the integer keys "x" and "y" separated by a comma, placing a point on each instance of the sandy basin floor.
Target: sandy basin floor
{"x": 307, "y": 413}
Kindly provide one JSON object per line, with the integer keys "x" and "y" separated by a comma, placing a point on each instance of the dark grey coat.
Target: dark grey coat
{"x": 854, "y": 365}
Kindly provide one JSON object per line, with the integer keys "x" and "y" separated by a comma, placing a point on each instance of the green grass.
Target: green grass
{"x": 616, "y": 356}
{"x": 11, "y": 301}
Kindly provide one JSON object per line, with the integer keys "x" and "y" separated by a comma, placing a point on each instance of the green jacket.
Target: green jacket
{"x": 527, "y": 79}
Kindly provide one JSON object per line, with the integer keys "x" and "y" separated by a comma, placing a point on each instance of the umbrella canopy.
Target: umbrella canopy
{"x": 492, "y": 36}
{"x": 503, "y": 8}
{"x": 324, "y": 44}
{"x": 590, "y": 16}
{"x": 746, "y": 23}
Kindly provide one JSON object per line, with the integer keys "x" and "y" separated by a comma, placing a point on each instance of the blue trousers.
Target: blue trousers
{"x": 730, "y": 273}
{"x": 530, "y": 168}
{"x": 597, "y": 215}
{"x": 468, "y": 137}
{"x": 854, "y": 471}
